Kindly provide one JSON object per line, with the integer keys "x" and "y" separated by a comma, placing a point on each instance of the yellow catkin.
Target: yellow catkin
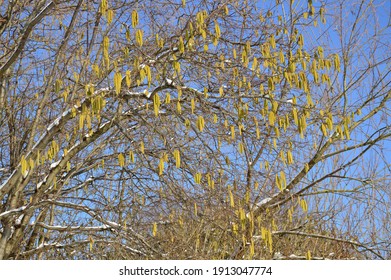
{"x": 128, "y": 78}
{"x": 197, "y": 178}
{"x": 110, "y": 15}
{"x": 24, "y": 165}
{"x": 241, "y": 148}
{"x": 272, "y": 118}
{"x": 139, "y": 37}
{"x": 161, "y": 166}
{"x": 192, "y": 102}
{"x": 156, "y": 104}
{"x": 131, "y": 156}
{"x": 231, "y": 198}
{"x": 232, "y": 132}
{"x": 142, "y": 148}
{"x": 303, "y": 205}
{"x": 289, "y": 157}
{"x": 181, "y": 46}
{"x": 323, "y": 129}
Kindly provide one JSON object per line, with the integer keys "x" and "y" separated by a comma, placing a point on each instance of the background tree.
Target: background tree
{"x": 194, "y": 129}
